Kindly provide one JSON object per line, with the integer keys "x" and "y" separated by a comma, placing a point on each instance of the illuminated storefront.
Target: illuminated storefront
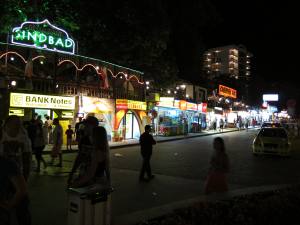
{"x": 53, "y": 106}
{"x": 54, "y": 72}
{"x": 130, "y": 119}
{"x": 176, "y": 117}
{"x": 26, "y": 105}
{"x": 103, "y": 109}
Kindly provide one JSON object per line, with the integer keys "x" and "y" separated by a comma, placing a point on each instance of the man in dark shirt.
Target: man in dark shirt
{"x": 146, "y": 142}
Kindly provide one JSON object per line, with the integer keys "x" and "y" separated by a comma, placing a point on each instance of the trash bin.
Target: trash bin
{"x": 90, "y": 205}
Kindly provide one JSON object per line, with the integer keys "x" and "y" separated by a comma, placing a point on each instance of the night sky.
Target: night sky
{"x": 267, "y": 28}
{"x": 269, "y": 31}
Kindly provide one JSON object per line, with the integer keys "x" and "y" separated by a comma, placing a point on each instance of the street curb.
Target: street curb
{"x": 155, "y": 212}
{"x": 159, "y": 141}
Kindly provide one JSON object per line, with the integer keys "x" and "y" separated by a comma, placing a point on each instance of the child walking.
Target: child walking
{"x": 69, "y": 134}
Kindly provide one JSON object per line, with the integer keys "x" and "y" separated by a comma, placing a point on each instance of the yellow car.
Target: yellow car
{"x": 271, "y": 140}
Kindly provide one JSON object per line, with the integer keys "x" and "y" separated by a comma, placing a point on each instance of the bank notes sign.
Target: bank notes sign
{"x": 23, "y": 100}
{"x": 43, "y": 35}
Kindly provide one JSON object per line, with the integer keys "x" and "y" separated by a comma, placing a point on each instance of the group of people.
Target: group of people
{"x": 92, "y": 162}
{"x": 42, "y": 133}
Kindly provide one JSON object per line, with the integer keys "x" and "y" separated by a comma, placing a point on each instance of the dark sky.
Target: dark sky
{"x": 267, "y": 28}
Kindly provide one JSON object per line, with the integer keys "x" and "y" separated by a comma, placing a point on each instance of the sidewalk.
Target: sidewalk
{"x": 159, "y": 139}
{"x": 132, "y": 201}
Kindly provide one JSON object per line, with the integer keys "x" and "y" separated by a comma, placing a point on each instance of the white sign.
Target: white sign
{"x": 23, "y": 100}
{"x": 270, "y": 97}
{"x": 166, "y": 99}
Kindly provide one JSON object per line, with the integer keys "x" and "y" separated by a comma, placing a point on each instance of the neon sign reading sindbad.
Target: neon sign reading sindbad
{"x": 43, "y": 35}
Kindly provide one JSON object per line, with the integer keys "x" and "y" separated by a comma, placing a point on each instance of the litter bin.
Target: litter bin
{"x": 90, "y": 205}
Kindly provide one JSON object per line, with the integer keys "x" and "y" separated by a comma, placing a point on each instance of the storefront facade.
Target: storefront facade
{"x": 130, "y": 119}
{"x": 177, "y": 117}
{"x": 27, "y": 105}
{"x": 50, "y": 79}
{"x": 103, "y": 109}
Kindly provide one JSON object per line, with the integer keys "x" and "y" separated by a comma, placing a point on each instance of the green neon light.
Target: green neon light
{"x": 43, "y": 35}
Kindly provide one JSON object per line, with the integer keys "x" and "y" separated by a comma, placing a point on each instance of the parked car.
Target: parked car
{"x": 271, "y": 124}
{"x": 271, "y": 140}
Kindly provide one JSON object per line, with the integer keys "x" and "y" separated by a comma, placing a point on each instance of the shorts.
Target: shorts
{"x": 69, "y": 141}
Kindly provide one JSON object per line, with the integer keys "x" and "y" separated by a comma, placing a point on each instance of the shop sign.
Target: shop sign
{"x": 202, "y": 107}
{"x": 67, "y": 114}
{"x": 41, "y": 101}
{"x": 227, "y": 92}
{"x": 121, "y": 104}
{"x": 43, "y": 35}
{"x": 130, "y": 104}
{"x": 16, "y": 112}
{"x": 96, "y": 105}
{"x": 191, "y": 106}
{"x": 166, "y": 99}
{"x": 182, "y": 105}
{"x": 166, "y": 102}
{"x": 137, "y": 105}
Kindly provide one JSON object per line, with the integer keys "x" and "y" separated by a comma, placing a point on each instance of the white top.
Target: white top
{"x": 14, "y": 147}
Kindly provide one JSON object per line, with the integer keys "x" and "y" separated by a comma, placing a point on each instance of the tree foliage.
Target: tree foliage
{"x": 135, "y": 34}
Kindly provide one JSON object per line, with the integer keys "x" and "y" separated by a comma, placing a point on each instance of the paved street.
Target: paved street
{"x": 180, "y": 168}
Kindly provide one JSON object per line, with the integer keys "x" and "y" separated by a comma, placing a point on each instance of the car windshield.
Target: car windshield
{"x": 273, "y": 133}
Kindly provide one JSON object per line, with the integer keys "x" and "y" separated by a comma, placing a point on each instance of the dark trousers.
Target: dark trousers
{"x": 38, "y": 155}
{"x": 146, "y": 167}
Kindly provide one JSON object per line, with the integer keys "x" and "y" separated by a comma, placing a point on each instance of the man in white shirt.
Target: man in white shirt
{"x": 57, "y": 142}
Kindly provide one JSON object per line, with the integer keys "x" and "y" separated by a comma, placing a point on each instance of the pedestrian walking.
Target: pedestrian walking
{"x": 31, "y": 131}
{"x": 221, "y": 124}
{"x": 85, "y": 147}
{"x": 39, "y": 145}
{"x": 247, "y": 125}
{"x": 13, "y": 194}
{"x": 216, "y": 180}
{"x": 99, "y": 169}
{"x": 16, "y": 145}
{"x": 48, "y": 126}
{"x": 146, "y": 142}
{"x": 69, "y": 133}
{"x": 57, "y": 142}
{"x": 77, "y": 129}
{"x": 215, "y": 125}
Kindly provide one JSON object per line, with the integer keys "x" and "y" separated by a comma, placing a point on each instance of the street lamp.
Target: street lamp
{"x": 147, "y": 82}
{"x": 13, "y": 83}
